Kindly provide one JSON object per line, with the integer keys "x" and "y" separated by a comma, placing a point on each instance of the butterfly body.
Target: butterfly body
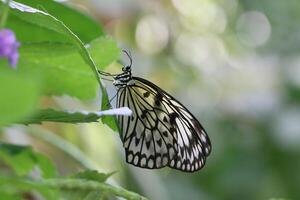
{"x": 161, "y": 131}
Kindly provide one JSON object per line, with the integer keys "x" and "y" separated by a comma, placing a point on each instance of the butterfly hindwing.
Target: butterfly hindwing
{"x": 161, "y": 131}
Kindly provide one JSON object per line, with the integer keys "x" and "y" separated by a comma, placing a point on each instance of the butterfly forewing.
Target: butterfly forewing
{"x": 161, "y": 131}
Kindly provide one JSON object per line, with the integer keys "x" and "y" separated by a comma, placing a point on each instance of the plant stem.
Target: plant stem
{"x": 92, "y": 185}
{"x": 63, "y": 145}
{"x": 4, "y": 15}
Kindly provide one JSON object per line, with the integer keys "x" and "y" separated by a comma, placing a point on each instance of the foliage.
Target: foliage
{"x": 54, "y": 57}
{"x": 25, "y": 177}
{"x": 61, "y": 51}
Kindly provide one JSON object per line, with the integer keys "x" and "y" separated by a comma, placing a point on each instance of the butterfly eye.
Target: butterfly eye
{"x": 126, "y": 68}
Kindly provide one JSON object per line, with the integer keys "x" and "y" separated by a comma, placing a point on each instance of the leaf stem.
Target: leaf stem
{"x": 4, "y": 15}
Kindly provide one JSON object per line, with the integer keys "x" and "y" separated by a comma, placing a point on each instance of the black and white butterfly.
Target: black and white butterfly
{"x": 161, "y": 131}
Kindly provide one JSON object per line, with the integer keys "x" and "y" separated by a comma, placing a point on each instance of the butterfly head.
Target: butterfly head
{"x": 124, "y": 79}
{"x": 126, "y": 68}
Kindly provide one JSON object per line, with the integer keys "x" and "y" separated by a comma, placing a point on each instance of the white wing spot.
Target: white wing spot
{"x": 200, "y": 163}
{"x": 130, "y": 157}
{"x": 158, "y": 161}
{"x": 188, "y": 167}
{"x": 150, "y": 163}
{"x": 203, "y": 138}
{"x": 165, "y": 160}
{"x": 192, "y": 168}
{"x": 178, "y": 164}
{"x": 143, "y": 161}
{"x": 136, "y": 159}
{"x": 206, "y": 150}
{"x": 195, "y": 151}
{"x": 172, "y": 163}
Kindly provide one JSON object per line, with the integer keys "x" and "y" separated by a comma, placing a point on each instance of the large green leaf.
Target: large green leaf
{"x": 104, "y": 51}
{"x": 108, "y": 120}
{"x": 60, "y": 64}
{"x": 82, "y": 25}
{"x": 62, "y": 68}
{"x": 51, "y": 30}
{"x": 19, "y": 94}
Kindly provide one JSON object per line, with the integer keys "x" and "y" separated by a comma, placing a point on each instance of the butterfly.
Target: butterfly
{"x": 161, "y": 131}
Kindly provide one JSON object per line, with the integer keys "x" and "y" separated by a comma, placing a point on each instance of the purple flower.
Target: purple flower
{"x": 9, "y": 46}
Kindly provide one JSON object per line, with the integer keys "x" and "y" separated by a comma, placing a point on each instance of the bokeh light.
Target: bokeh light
{"x": 151, "y": 34}
{"x": 253, "y": 28}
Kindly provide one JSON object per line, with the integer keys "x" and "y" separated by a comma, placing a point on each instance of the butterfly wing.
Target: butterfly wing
{"x": 161, "y": 131}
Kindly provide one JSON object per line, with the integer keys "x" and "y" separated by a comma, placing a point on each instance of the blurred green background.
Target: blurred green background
{"x": 234, "y": 64}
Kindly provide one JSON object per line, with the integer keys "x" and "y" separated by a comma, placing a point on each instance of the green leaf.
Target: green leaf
{"x": 45, "y": 165}
{"x": 104, "y": 51}
{"x": 62, "y": 68}
{"x": 65, "y": 188}
{"x": 51, "y": 115}
{"x": 110, "y": 121}
{"x": 47, "y": 22}
{"x": 60, "y": 80}
{"x": 16, "y": 187}
{"x": 22, "y": 159}
{"x": 19, "y": 94}
{"x": 7, "y": 196}
{"x": 93, "y": 175}
{"x": 82, "y": 25}
{"x": 71, "y": 188}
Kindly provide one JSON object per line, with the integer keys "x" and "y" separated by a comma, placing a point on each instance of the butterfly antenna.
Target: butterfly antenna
{"x": 106, "y": 73}
{"x": 129, "y": 56}
{"x": 107, "y": 79}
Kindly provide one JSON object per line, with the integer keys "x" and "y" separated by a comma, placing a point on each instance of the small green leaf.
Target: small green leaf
{"x": 71, "y": 188}
{"x": 93, "y": 175}
{"x": 86, "y": 193}
{"x": 51, "y": 115}
{"x": 18, "y": 158}
{"x": 7, "y": 196}
{"x": 22, "y": 159}
{"x": 46, "y": 166}
{"x": 14, "y": 186}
